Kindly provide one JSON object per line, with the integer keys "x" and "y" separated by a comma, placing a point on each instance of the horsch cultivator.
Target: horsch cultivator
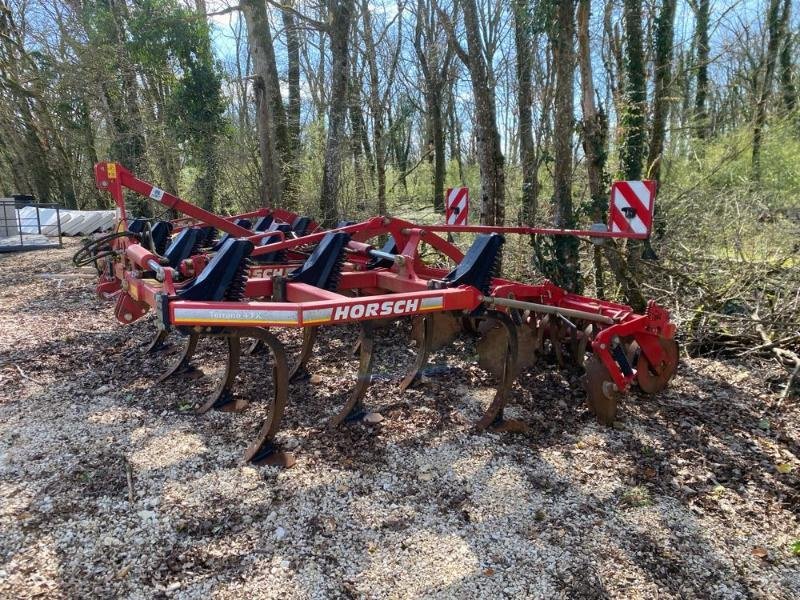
{"x": 272, "y": 269}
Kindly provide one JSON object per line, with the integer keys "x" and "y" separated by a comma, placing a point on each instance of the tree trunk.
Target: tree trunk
{"x": 632, "y": 119}
{"x": 490, "y": 155}
{"x": 774, "y": 31}
{"x": 434, "y": 66}
{"x": 595, "y": 137}
{"x": 265, "y": 89}
{"x": 663, "y": 78}
{"x": 293, "y": 110}
{"x": 341, "y": 12}
{"x": 527, "y": 148}
{"x": 566, "y": 247}
{"x": 788, "y": 89}
{"x": 703, "y": 8}
{"x": 633, "y": 137}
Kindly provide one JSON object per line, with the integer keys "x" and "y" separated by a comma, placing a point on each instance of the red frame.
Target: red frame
{"x": 402, "y": 290}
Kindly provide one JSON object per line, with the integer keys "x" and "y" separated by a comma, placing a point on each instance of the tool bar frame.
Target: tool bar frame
{"x": 525, "y": 230}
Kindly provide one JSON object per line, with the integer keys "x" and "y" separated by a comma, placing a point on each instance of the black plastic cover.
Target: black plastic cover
{"x": 137, "y": 225}
{"x": 324, "y": 267}
{"x": 300, "y": 225}
{"x": 159, "y": 233}
{"x": 280, "y": 255}
{"x": 221, "y": 275}
{"x": 183, "y": 246}
{"x": 263, "y": 223}
{"x": 479, "y": 264}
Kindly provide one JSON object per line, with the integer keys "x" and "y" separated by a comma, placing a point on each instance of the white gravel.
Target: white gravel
{"x": 684, "y": 499}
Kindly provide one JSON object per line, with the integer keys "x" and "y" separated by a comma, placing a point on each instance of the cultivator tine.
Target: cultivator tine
{"x": 423, "y": 350}
{"x": 354, "y": 409}
{"x": 222, "y": 396}
{"x": 494, "y": 414}
{"x": 183, "y": 366}
{"x": 157, "y": 343}
{"x": 299, "y": 370}
{"x": 262, "y": 451}
{"x": 256, "y": 347}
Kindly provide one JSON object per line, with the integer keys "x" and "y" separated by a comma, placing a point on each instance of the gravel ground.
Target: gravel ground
{"x": 110, "y": 487}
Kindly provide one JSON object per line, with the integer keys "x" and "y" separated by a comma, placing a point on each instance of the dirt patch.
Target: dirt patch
{"x": 694, "y": 494}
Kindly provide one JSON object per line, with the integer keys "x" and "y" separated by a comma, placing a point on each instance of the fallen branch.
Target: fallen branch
{"x": 26, "y": 376}
{"x": 783, "y": 355}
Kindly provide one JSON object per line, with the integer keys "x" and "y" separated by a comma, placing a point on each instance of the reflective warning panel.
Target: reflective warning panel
{"x": 631, "y": 206}
{"x": 457, "y": 206}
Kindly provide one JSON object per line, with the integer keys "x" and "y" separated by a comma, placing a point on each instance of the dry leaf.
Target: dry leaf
{"x": 315, "y": 379}
{"x": 488, "y": 571}
{"x": 760, "y": 552}
{"x": 784, "y": 468}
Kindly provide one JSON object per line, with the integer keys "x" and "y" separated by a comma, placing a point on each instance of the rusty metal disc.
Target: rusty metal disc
{"x": 493, "y": 344}
{"x": 651, "y": 382}
{"x": 445, "y": 328}
{"x": 601, "y": 396}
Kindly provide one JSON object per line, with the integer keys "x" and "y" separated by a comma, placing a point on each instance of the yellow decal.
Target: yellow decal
{"x": 111, "y": 170}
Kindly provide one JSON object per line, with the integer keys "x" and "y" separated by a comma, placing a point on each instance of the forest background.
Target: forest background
{"x": 350, "y": 108}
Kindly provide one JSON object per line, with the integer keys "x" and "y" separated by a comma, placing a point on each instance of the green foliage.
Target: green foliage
{"x": 637, "y": 497}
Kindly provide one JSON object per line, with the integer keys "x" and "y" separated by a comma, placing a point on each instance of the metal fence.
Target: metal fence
{"x": 27, "y": 225}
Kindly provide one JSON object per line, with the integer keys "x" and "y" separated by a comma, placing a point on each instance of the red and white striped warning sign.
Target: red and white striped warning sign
{"x": 631, "y": 209}
{"x": 457, "y": 206}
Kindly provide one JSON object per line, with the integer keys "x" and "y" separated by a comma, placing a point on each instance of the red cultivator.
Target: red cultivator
{"x": 285, "y": 272}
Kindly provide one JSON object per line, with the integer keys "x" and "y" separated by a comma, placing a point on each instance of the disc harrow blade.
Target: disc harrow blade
{"x": 650, "y": 381}
{"x": 600, "y": 393}
{"x": 492, "y": 349}
{"x": 445, "y": 328}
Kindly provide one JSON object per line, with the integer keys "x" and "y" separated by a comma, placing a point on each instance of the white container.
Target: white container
{"x": 8, "y": 218}
{"x": 75, "y": 223}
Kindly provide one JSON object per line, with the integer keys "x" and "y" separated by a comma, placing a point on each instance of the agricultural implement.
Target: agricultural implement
{"x": 253, "y": 281}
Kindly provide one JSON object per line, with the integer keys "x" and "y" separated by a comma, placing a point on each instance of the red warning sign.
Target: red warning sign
{"x": 457, "y": 206}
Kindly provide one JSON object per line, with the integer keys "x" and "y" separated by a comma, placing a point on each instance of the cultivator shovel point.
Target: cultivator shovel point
{"x": 272, "y": 269}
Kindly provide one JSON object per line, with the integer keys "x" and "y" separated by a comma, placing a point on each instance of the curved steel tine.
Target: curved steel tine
{"x": 157, "y": 343}
{"x": 257, "y": 347}
{"x": 354, "y": 409}
{"x": 422, "y": 353}
{"x": 357, "y": 346}
{"x": 262, "y": 451}
{"x": 183, "y": 365}
{"x": 222, "y": 396}
{"x": 494, "y": 414}
{"x": 299, "y": 371}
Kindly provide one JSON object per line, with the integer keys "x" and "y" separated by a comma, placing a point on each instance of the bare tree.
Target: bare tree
{"x": 770, "y": 59}
{"x": 490, "y": 155}
{"x": 523, "y": 38}
{"x": 340, "y": 21}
